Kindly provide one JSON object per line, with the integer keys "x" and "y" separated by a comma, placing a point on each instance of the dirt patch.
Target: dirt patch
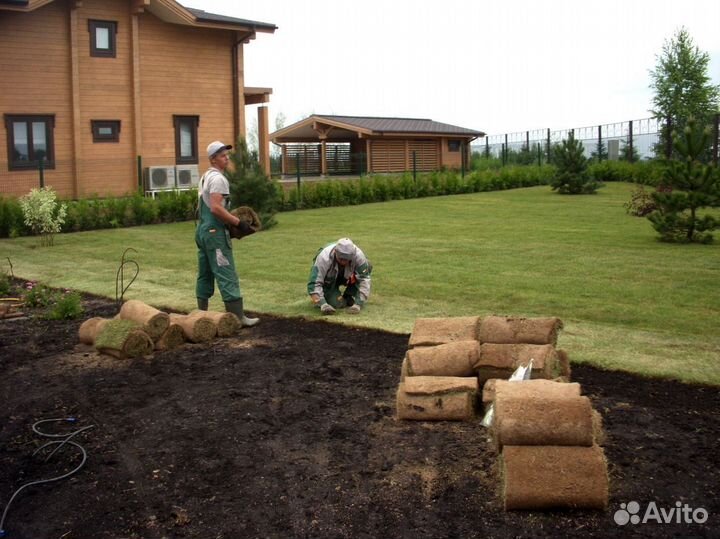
{"x": 288, "y": 431}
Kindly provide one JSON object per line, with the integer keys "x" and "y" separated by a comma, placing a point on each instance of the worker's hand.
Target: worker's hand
{"x": 326, "y": 308}
{"x": 315, "y": 298}
{"x": 354, "y": 309}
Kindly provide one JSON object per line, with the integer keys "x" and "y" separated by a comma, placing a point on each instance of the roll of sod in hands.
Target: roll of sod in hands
{"x": 451, "y": 359}
{"x": 172, "y": 338}
{"x": 153, "y": 322}
{"x": 542, "y": 421}
{"x": 434, "y": 331}
{"x": 554, "y": 477}
{"x": 123, "y": 339}
{"x": 500, "y": 360}
{"x": 515, "y": 330}
{"x": 437, "y": 398}
{"x": 197, "y": 327}
{"x": 227, "y": 323}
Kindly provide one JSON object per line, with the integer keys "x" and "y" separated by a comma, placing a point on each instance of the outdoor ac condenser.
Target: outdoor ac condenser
{"x": 159, "y": 178}
{"x": 186, "y": 176}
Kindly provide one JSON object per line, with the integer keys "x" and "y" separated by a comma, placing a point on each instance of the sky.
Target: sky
{"x": 497, "y": 67}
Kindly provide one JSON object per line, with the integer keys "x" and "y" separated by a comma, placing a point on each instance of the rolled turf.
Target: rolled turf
{"x": 153, "y": 321}
{"x": 451, "y": 359}
{"x": 437, "y": 398}
{"x": 434, "y": 331}
{"x": 518, "y": 330}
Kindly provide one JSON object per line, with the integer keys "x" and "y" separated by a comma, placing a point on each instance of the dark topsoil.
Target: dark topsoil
{"x": 288, "y": 432}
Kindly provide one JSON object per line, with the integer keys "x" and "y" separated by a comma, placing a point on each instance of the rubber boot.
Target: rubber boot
{"x": 236, "y": 307}
{"x": 203, "y": 304}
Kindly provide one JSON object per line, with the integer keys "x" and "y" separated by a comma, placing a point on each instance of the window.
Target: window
{"x": 454, "y": 145}
{"x": 105, "y": 130}
{"x": 102, "y": 38}
{"x": 30, "y": 139}
{"x": 186, "y": 148}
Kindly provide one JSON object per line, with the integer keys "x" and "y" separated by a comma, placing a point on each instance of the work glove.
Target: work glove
{"x": 326, "y": 308}
{"x": 249, "y": 222}
{"x": 354, "y": 309}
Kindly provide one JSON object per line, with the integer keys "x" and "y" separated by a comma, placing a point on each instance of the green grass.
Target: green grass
{"x": 628, "y": 301}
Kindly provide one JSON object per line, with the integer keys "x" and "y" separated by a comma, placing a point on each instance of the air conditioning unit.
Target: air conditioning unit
{"x": 159, "y": 178}
{"x": 186, "y": 176}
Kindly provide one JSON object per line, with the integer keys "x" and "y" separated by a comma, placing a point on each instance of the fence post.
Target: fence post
{"x": 298, "y": 203}
{"x": 716, "y": 139}
{"x": 487, "y": 147}
{"x": 415, "y": 165}
{"x": 539, "y": 152}
{"x": 599, "y": 148}
{"x": 549, "y": 150}
{"x": 630, "y": 143}
{"x": 41, "y": 171}
{"x": 527, "y": 141}
{"x": 505, "y": 150}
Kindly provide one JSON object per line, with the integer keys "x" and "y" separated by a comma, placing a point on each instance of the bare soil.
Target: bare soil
{"x": 288, "y": 431}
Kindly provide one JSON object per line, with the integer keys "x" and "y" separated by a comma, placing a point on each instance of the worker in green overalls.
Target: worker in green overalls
{"x": 215, "y": 256}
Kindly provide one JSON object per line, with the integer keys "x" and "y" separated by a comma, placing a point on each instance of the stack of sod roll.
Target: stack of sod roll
{"x": 466, "y": 352}
{"x": 550, "y": 439}
{"x": 139, "y": 329}
{"x": 548, "y": 435}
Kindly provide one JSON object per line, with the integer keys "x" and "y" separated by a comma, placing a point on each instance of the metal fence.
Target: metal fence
{"x": 633, "y": 139}
{"x": 639, "y": 137}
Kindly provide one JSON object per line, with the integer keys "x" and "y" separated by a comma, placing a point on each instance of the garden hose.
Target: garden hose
{"x": 62, "y": 440}
{"x": 120, "y": 289}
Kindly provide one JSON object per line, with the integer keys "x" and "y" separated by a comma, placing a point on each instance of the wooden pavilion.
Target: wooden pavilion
{"x": 332, "y": 145}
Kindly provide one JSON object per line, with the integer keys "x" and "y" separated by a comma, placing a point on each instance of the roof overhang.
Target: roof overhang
{"x": 255, "y": 95}
{"x": 169, "y": 11}
{"x": 316, "y": 128}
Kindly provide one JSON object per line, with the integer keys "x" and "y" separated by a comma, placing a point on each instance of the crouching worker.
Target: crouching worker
{"x": 340, "y": 278}
{"x": 215, "y": 255}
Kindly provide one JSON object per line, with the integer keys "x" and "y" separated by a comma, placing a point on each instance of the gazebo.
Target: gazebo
{"x": 332, "y": 145}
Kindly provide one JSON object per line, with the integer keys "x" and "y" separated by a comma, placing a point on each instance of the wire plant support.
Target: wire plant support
{"x": 120, "y": 287}
{"x": 60, "y": 441}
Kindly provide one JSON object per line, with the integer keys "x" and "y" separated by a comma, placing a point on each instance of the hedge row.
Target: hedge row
{"x": 97, "y": 213}
{"x": 322, "y": 194}
{"x": 92, "y": 214}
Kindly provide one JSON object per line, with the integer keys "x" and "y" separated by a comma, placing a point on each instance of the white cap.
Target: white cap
{"x": 217, "y": 146}
{"x": 345, "y": 248}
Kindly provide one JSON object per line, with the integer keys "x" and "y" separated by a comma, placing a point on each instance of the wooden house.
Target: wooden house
{"x": 327, "y": 145}
{"x": 104, "y": 91}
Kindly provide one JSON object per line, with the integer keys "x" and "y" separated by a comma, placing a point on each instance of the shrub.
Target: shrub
{"x": 68, "y": 306}
{"x": 4, "y": 284}
{"x": 42, "y": 214}
{"x": 572, "y": 176}
{"x": 11, "y": 218}
{"x": 641, "y": 202}
{"x": 694, "y": 186}
{"x": 37, "y": 294}
{"x": 250, "y": 186}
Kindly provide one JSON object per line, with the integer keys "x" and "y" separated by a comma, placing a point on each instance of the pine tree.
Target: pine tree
{"x": 694, "y": 186}
{"x": 625, "y": 154}
{"x": 601, "y": 152}
{"x": 572, "y": 176}
{"x": 250, "y": 186}
{"x": 682, "y": 87}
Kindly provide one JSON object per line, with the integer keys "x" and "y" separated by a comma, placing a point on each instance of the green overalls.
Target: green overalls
{"x": 215, "y": 258}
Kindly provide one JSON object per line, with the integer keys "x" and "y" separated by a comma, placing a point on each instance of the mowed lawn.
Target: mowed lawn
{"x": 628, "y": 301}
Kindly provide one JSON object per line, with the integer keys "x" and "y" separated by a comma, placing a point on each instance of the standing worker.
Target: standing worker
{"x": 340, "y": 264}
{"x": 215, "y": 256}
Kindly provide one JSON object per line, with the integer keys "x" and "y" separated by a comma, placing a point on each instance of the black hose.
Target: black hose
{"x": 63, "y": 441}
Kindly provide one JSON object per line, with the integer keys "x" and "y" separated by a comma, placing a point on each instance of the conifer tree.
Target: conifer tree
{"x": 572, "y": 176}
{"x": 250, "y": 186}
{"x": 693, "y": 186}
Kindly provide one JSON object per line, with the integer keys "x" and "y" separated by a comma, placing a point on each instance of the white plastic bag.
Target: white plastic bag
{"x": 520, "y": 374}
